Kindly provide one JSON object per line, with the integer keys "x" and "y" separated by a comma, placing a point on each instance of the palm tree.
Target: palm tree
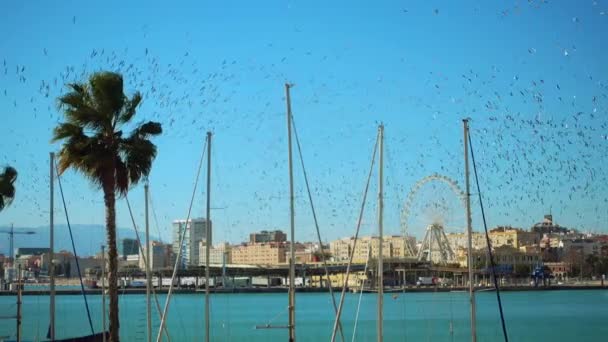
{"x": 7, "y": 187}
{"x": 95, "y": 145}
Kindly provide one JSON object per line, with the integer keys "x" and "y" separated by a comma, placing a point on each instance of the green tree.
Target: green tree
{"x": 7, "y": 186}
{"x": 522, "y": 270}
{"x": 593, "y": 265}
{"x": 95, "y": 145}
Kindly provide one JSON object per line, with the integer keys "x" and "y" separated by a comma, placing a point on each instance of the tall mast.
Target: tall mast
{"x": 148, "y": 277}
{"x": 380, "y": 235}
{"x": 469, "y": 232}
{"x": 11, "y": 247}
{"x": 292, "y": 266}
{"x": 19, "y": 304}
{"x": 103, "y": 291}
{"x": 52, "y": 248}
{"x": 208, "y": 237}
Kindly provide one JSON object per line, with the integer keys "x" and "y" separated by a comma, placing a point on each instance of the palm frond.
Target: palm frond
{"x": 67, "y": 130}
{"x": 122, "y": 177}
{"x": 107, "y": 94}
{"x": 79, "y": 110}
{"x": 138, "y": 156}
{"x": 130, "y": 108}
{"x": 145, "y": 130}
{"x": 7, "y": 187}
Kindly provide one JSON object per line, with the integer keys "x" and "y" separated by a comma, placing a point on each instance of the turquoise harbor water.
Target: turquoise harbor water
{"x": 531, "y": 316}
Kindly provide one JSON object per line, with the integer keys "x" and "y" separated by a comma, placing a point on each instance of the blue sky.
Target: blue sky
{"x": 531, "y": 75}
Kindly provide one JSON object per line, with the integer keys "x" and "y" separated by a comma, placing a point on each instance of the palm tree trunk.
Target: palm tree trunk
{"x": 110, "y": 201}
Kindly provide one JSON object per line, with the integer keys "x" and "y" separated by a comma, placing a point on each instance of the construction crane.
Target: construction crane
{"x": 11, "y": 233}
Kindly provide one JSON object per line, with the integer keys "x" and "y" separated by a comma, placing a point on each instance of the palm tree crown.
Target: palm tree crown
{"x": 94, "y": 142}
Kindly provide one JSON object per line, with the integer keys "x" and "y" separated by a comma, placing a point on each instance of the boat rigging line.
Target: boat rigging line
{"x": 314, "y": 216}
{"x": 488, "y": 243}
{"x": 141, "y": 250}
{"x": 352, "y": 254}
{"x": 369, "y": 253}
{"x": 181, "y": 246}
{"x": 67, "y": 219}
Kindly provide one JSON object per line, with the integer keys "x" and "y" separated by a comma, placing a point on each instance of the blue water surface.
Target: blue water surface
{"x": 530, "y": 316}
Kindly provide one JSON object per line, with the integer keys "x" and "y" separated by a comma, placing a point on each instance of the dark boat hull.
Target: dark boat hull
{"x": 89, "y": 338}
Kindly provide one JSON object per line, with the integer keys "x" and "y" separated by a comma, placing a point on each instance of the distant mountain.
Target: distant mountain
{"x": 88, "y": 238}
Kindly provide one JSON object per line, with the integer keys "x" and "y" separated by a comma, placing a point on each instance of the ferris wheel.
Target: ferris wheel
{"x": 434, "y": 205}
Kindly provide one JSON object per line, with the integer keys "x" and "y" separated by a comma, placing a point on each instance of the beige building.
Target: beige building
{"x": 503, "y": 255}
{"x": 216, "y": 253}
{"x": 161, "y": 256}
{"x": 307, "y": 252}
{"x": 459, "y": 241}
{"x": 514, "y": 237}
{"x": 355, "y": 279}
{"x": 65, "y": 263}
{"x": 392, "y": 247}
{"x": 259, "y": 253}
{"x": 500, "y": 236}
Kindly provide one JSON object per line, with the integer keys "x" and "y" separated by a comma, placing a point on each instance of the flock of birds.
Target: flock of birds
{"x": 537, "y": 139}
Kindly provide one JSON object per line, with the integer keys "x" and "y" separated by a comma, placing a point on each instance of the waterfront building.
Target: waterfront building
{"x": 309, "y": 252}
{"x": 499, "y": 236}
{"x": 31, "y": 251}
{"x": 65, "y": 263}
{"x": 272, "y": 253}
{"x": 267, "y": 236}
{"x": 514, "y": 237}
{"x": 28, "y": 262}
{"x": 355, "y": 280}
{"x": 459, "y": 241}
{"x": 506, "y": 257}
{"x": 161, "y": 256}
{"x": 217, "y": 253}
{"x": 129, "y": 247}
{"x": 586, "y": 246}
{"x": 130, "y": 262}
{"x": 392, "y": 247}
{"x": 559, "y": 270}
{"x": 195, "y": 232}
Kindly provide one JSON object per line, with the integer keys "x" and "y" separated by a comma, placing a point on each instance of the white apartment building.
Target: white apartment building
{"x": 195, "y": 232}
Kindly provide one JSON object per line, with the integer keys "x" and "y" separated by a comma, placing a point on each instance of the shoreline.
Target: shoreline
{"x": 164, "y": 290}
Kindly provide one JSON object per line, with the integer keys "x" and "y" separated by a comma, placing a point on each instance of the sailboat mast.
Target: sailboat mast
{"x": 148, "y": 277}
{"x": 380, "y": 235}
{"x": 103, "y": 291}
{"x": 19, "y": 302}
{"x": 52, "y": 248}
{"x": 469, "y": 232}
{"x": 292, "y": 266}
{"x": 208, "y": 242}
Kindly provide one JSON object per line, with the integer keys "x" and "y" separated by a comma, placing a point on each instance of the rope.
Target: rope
{"x": 181, "y": 245}
{"x": 489, "y": 244}
{"x": 352, "y": 254}
{"x": 67, "y": 219}
{"x": 314, "y": 215}
{"x": 276, "y": 316}
{"x": 361, "y": 293}
{"x": 143, "y": 256}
